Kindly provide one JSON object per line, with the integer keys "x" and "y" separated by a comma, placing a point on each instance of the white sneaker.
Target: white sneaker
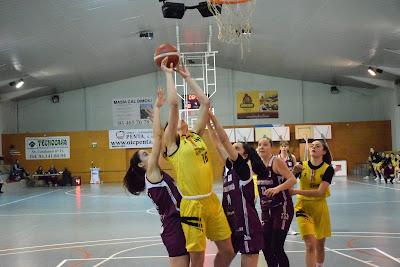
{"x": 366, "y": 177}
{"x": 376, "y": 179}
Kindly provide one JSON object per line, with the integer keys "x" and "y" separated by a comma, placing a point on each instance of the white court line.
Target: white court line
{"x": 351, "y": 257}
{"x": 340, "y": 253}
{"x": 166, "y": 256}
{"x": 70, "y": 193}
{"x": 387, "y": 255}
{"x": 365, "y": 202}
{"x": 152, "y": 211}
{"x": 380, "y": 186}
{"x": 61, "y": 263}
{"x": 369, "y": 236}
{"x": 121, "y": 258}
{"x": 372, "y": 233}
{"x": 123, "y": 251}
{"x": 73, "y": 213}
{"x": 23, "y": 199}
{"x": 81, "y": 242}
{"x": 79, "y": 246}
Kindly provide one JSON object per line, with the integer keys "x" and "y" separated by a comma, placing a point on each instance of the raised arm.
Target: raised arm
{"x": 217, "y": 142}
{"x": 223, "y": 137}
{"x": 203, "y": 99}
{"x": 173, "y": 103}
{"x": 153, "y": 170}
{"x": 257, "y": 165}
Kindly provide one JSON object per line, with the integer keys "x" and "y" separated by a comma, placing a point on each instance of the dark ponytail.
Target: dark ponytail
{"x": 327, "y": 158}
{"x": 248, "y": 150}
{"x": 134, "y": 177}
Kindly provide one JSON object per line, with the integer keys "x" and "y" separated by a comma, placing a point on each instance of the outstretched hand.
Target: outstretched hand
{"x": 271, "y": 192}
{"x": 298, "y": 168}
{"x": 164, "y": 66}
{"x": 183, "y": 71}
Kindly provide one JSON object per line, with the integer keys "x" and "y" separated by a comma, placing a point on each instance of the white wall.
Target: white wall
{"x": 40, "y": 114}
{"x": 91, "y": 109}
{"x": 396, "y": 128}
{"x": 8, "y": 119}
{"x": 387, "y": 105}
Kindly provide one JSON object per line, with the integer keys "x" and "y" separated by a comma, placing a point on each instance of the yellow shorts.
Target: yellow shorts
{"x": 203, "y": 218}
{"x": 313, "y": 218}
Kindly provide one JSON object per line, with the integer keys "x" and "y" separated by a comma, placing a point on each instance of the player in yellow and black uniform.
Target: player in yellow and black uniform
{"x": 312, "y": 213}
{"x": 200, "y": 210}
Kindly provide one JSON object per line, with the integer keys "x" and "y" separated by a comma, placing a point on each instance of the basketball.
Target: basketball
{"x": 166, "y": 50}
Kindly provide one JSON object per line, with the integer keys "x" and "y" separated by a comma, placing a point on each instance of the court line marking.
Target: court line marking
{"x": 351, "y": 257}
{"x": 73, "y": 213}
{"x": 166, "y": 256}
{"x": 70, "y": 193}
{"x": 79, "y": 246}
{"x": 123, "y": 251}
{"x": 340, "y": 253}
{"x": 369, "y": 236}
{"x": 121, "y": 258}
{"x": 387, "y": 255}
{"x": 373, "y": 233}
{"x": 26, "y": 198}
{"x": 380, "y": 186}
{"x": 364, "y": 202}
{"x": 152, "y": 211}
{"x": 82, "y": 242}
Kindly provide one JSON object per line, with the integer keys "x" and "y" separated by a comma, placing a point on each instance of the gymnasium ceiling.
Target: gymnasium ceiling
{"x": 60, "y": 45}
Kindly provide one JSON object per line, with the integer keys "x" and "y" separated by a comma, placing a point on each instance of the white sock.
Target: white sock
{"x": 319, "y": 265}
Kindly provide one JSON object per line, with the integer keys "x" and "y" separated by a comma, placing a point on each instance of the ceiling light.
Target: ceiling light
{"x": 146, "y": 34}
{"x": 371, "y": 71}
{"x": 334, "y": 90}
{"x": 19, "y": 84}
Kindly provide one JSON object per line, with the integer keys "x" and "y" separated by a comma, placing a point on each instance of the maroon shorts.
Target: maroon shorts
{"x": 279, "y": 217}
{"x": 173, "y": 238}
{"x": 246, "y": 245}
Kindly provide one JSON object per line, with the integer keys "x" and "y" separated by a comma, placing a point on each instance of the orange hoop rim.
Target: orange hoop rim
{"x": 228, "y": 2}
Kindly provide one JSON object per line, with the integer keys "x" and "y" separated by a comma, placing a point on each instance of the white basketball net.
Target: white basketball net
{"x": 234, "y": 20}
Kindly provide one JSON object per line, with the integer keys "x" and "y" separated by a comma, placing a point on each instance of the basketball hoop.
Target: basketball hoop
{"x": 234, "y": 21}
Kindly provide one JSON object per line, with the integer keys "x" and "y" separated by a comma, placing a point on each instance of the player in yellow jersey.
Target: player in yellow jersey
{"x": 312, "y": 213}
{"x": 397, "y": 168}
{"x": 201, "y": 212}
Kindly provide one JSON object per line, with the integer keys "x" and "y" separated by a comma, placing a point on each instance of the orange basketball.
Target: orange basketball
{"x": 166, "y": 50}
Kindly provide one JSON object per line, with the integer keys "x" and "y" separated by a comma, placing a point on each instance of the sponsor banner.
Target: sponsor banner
{"x": 131, "y": 111}
{"x": 51, "y": 147}
{"x": 133, "y": 138}
{"x": 257, "y": 104}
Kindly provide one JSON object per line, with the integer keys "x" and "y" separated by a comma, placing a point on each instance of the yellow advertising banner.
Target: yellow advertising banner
{"x": 257, "y": 104}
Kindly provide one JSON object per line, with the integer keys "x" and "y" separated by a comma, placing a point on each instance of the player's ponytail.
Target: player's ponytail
{"x": 134, "y": 177}
{"x": 327, "y": 158}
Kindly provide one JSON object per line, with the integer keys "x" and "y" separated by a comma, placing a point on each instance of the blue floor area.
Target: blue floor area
{"x": 101, "y": 225}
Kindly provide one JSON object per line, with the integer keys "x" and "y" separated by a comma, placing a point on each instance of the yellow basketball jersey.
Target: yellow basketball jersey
{"x": 395, "y": 163}
{"x": 311, "y": 179}
{"x": 192, "y": 166}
